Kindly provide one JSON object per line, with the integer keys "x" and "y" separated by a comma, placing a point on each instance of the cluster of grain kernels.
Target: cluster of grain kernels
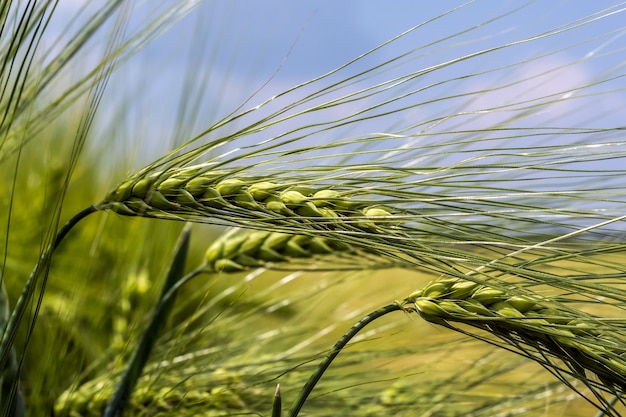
{"x": 255, "y": 249}
{"x": 185, "y": 189}
{"x": 528, "y": 316}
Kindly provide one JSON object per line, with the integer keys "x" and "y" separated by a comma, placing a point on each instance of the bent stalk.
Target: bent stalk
{"x": 41, "y": 268}
{"x": 334, "y": 351}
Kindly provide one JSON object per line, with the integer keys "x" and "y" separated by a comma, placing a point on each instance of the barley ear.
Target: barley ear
{"x": 533, "y": 327}
{"x": 254, "y": 249}
{"x": 200, "y": 195}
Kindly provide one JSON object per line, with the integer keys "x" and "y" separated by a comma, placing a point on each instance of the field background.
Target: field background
{"x": 232, "y": 337}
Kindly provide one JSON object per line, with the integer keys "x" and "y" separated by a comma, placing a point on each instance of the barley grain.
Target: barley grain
{"x": 180, "y": 193}
{"x": 530, "y": 324}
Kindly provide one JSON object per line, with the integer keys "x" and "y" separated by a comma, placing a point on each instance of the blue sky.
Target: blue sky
{"x": 224, "y": 50}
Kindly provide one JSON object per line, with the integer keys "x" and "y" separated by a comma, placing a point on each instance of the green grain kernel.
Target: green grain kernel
{"x": 245, "y": 200}
{"x": 437, "y": 288}
{"x": 158, "y": 200}
{"x": 231, "y": 246}
{"x": 141, "y": 187}
{"x": 415, "y": 295}
{"x": 171, "y": 184}
{"x": 186, "y": 199}
{"x": 137, "y": 205}
{"x": 262, "y": 190}
{"x": 269, "y": 255}
{"x": 253, "y": 242}
{"x": 309, "y": 209}
{"x": 327, "y": 212}
{"x": 505, "y": 309}
{"x": 247, "y": 261}
{"x": 292, "y": 198}
{"x": 228, "y": 265}
{"x": 322, "y": 197}
{"x": 212, "y": 198}
{"x": 429, "y": 307}
{"x": 229, "y": 187}
{"x": 276, "y": 240}
{"x": 462, "y": 289}
{"x": 522, "y": 303}
{"x": 452, "y": 308}
{"x": 318, "y": 246}
{"x": 199, "y": 185}
{"x": 121, "y": 208}
{"x": 214, "y": 252}
{"x": 276, "y": 205}
{"x": 376, "y": 212}
{"x": 488, "y": 295}
{"x": 123, "y": 191}
{"x": 294, "y": 247}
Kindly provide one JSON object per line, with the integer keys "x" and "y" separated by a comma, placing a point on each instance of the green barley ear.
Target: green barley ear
{"x": 203, "y": 195}
{"x": 530, "y": 325}
{"x": 256, "y": 249}
{"x": 134, "y": 288}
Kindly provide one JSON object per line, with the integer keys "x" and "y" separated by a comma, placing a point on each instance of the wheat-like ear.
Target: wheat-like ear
{"x": 236, "y": 252}
{"x": 534, "y": 326}
{"x": 198, "y": 193}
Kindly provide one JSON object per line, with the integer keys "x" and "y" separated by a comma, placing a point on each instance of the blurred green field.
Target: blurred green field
{"x": 247, "y": 331}
{"x": 480, "y": 160}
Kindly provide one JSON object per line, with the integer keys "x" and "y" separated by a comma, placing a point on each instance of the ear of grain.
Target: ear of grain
{"x": 260, "y": 249}
{"x": 529, "y": 323}
{"x": 180, "y": 194}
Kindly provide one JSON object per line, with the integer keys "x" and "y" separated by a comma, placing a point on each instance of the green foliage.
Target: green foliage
{"x": 522, "y": 214}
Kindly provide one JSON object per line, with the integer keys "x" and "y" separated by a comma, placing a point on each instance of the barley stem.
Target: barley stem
{"x": 334, "y": 351}
{"x": 11, "y": 398}
{"x": 40, "y": 270}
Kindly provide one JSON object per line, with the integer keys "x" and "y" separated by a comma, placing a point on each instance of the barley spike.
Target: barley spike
{"x": 527, "y": 320}
{"x": 255, "y": 249}
{"x": 181, "y": 193}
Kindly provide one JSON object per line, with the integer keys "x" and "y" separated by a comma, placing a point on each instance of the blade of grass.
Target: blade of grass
{"x": 277, "y": 403}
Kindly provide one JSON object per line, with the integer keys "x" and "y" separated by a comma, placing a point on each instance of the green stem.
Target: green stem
{"x": 9, "y": 332}
{"x": 334, "y": 351}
